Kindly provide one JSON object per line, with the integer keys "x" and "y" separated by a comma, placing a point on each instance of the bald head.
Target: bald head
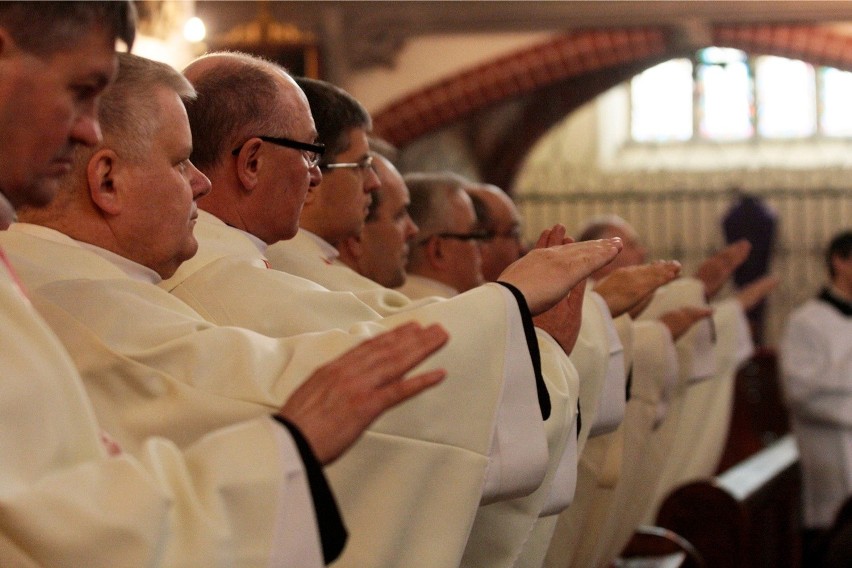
{"x": 609, "y": 226}
{"x": 238, "y": 95}
{"x": 245, "y": 107}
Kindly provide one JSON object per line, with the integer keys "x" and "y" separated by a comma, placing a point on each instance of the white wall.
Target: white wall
{"x": 427, "y": 59}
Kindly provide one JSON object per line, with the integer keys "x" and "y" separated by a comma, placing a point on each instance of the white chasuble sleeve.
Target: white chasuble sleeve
{"x": 613, "y": 397}
{"x": 65, "y": 502}
{"x": 501, "y": 529}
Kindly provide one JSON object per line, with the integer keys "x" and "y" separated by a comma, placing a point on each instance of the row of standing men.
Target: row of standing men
{"x": 186, "y": 308}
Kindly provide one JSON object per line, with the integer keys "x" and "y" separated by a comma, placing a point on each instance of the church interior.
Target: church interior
{"x": 678, "y": 116}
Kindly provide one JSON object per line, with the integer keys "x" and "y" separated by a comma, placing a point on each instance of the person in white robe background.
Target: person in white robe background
{"x": 598, "y": 354}
{"x": 444, "y": 259}
{"x": 380, "y": 252}
{"x": 342, "y": 123}
{"x": 171, "y": 509}
{"x": 259, "y": 181}
{"x": 657, "y": 436}
{"x": 816, "y": 366}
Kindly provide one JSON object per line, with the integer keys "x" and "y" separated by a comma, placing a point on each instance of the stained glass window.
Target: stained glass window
{"x": 724, "y": 94}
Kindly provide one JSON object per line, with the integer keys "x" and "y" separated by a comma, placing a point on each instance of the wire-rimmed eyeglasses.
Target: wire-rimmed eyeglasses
{"x": 311, "y": 151}
{"x": 363, "y": 164}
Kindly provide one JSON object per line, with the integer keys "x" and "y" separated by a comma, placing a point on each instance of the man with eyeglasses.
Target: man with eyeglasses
{"x": 420, "y": 476}
{"x": 496, "y": 215}
{"x": 445, "y": 259}
{"x": 336, "y": 207}
{"x": 238, "y": 480}
{"x": 381, "y": 251}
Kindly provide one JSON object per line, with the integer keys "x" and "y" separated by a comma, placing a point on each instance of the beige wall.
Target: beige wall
{"x": 427, "y": 59}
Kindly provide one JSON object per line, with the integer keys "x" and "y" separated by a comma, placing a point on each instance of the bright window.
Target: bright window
{"x": 836, "y": 99}
{"x": 662, "y": 103}
{"x": 724, "y": 94}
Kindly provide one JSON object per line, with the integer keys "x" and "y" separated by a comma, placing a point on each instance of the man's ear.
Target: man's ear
{"x": 104, "y": 180}
{"x": 434, "y": 249}
{"x": 249, "y": 161}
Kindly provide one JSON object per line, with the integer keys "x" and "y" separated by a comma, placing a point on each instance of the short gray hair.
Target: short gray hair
{"x": 128, "y": 104}
{"x": 430, "y": 199}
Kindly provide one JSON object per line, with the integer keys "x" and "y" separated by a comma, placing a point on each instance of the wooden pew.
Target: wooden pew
{"x": 746, "y": 517}
{"x": 759, "y": 416}
{"x": 662, "y": 545}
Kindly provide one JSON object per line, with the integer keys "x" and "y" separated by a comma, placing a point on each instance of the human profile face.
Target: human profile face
{"x": 385, "y": 238}
{"x": 161, "y": 187}
{"x": 462, "y": 259}
{"x": 503, "y": 247}
{"x": 343, "y": 197}
{"x": 48, "y": 106}
{"x": 285, "y": 175}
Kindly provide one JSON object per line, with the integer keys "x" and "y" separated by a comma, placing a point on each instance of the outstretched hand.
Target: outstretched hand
{"x": 754, "y": 292}
{"x": 680, "y": 320}
{"x": 625, "y": 288}
{"x": 342, "y": 398}
{"x": 563, "y": 320}
{"x": 718, "y": 268}
{"x": 546, "y": 275}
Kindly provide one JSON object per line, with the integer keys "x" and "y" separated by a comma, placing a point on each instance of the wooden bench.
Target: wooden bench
{"x": 759, "y": 416}
{"x": 746, "y": 517}
{"x": 660, "y": 547}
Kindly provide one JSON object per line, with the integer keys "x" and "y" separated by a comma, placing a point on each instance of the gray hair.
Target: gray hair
{"x": 430, "y": 206}
{"x": 128, "y": 104}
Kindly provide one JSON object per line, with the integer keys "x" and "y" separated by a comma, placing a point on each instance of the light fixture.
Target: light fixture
{"x": 194, "y": 30}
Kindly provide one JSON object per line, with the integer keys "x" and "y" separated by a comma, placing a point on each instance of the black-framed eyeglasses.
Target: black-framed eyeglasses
{"x": 471, "y": 236}
{"x": 311, "y": 151}
{"x": 514, "y": 233}
{"x": 363, "y": 164}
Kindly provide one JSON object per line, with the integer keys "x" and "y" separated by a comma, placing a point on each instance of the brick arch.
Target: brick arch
{"x": 814, "y": 44}
{"x": 572, "y": 69}
{"x": 517, "y": 74}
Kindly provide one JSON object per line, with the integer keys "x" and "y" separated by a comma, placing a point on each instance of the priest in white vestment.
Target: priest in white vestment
{"x": 816, "y": 364}
{"x": 499, "y": 528}
{"x": 427, "y": 489}
{"x": 70, "y": 495}
{"x": 153, "y": 366}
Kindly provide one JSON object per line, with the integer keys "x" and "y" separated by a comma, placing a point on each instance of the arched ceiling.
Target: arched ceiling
{"x": 603, "y": 44}
{"x": 355, "y": 35}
